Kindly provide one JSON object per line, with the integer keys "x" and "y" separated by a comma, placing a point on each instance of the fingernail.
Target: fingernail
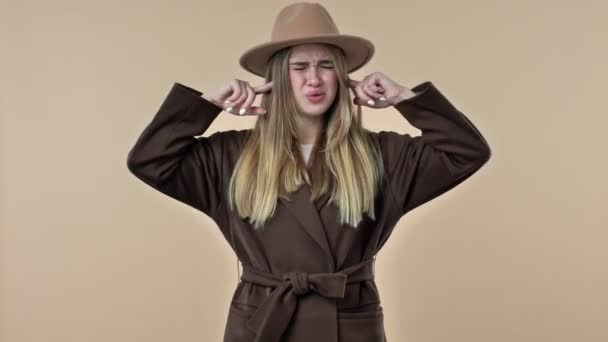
{"x": 227, "y": 101}
{"x": 382, "y": 98}
{"x": 242, "y": 111}
{"x": 370, "y": 102}
{"x": 228, "y": 109}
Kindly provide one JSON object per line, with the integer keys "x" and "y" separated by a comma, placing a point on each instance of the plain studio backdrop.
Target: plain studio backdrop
{"x": 90, "y": 253}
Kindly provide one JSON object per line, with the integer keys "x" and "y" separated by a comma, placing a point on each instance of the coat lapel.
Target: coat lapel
{"x": 307, "y": 215}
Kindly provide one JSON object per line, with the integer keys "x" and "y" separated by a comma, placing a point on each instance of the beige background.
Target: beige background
{"x": 90, "y": 253}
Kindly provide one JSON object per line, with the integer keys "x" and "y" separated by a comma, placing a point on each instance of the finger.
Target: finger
{"x": 362, "y": 98}
{"x": 352, "y": 83}
{"x": 376, "y": 88}
{"x": 236, "y": 91}
{"x": 248, "y": 101}
{"x": 375, "y": 84}
{"x": 263, "y": 88}
{"x": 380, "y": 91}
{"x": 375, "y": 78}
{"x": 255, "y": 110}
{"x": 233, "y": 101}
{"x": 236, "y": 105}
{"x": 367, "y": 88}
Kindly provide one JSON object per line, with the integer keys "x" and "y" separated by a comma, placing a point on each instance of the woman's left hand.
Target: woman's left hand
{"x": 377, "y": 90}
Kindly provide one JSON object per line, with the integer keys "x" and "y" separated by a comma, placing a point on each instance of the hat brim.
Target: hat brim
{"x": 358, "y": 51}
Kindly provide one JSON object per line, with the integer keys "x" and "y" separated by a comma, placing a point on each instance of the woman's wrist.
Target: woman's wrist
{"x": 211, "y": 99}
{"x": 405, "y": 94}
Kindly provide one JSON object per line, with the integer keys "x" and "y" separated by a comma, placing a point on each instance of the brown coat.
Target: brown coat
{"x": 306, "y": 277}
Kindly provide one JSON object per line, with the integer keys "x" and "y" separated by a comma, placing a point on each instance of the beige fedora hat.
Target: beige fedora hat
{"x": 305, "y": 22}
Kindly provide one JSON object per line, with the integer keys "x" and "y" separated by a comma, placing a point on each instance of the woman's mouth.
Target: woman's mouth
{"x": 315, "y": 98}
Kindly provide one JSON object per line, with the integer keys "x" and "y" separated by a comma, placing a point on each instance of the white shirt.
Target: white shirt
{"x": 306, "y": 149}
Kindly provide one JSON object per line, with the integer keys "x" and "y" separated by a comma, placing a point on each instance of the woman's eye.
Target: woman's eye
{"x": 324, "y": 66}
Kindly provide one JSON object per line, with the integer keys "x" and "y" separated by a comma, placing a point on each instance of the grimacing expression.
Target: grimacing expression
{"x": 313, "y": 78}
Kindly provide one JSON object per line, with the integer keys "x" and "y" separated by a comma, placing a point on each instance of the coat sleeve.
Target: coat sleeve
{"x": 448, "y": 151}
{"x": 170, "y": 157}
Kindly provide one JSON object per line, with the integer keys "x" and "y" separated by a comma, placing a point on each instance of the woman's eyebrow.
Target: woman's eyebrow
{"x": 323, "y": 61}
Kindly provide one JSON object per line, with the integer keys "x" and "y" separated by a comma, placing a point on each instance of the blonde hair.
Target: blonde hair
{"x": 345, "y": 160}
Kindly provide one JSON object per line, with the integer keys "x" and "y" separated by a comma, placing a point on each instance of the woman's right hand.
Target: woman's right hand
{"x": 237, "y": 96}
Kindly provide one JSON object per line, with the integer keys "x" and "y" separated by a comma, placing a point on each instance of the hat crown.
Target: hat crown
{"x": 306, "y": 23}
{"x": 303, "y": 19}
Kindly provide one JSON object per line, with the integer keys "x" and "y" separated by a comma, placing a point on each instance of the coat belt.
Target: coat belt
{"x": 270, "y": 321}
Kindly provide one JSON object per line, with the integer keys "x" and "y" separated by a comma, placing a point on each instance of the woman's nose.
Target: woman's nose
{"x": 312, "y": 76}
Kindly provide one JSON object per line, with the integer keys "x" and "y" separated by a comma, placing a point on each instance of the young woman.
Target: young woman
{"x": 307, "y": 198}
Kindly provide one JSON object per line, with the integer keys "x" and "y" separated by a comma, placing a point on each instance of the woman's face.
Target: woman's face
{"x": 313, "y": 78}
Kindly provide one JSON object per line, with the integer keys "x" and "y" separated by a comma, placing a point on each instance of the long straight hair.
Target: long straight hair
{"x": 345, "y": 160}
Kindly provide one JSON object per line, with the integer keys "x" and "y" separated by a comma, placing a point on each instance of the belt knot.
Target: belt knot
{"x": 276, "y": 312}
{"x": 299, "y": 282}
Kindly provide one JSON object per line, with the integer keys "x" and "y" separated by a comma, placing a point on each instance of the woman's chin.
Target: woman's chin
{"x": 315, "y": 109}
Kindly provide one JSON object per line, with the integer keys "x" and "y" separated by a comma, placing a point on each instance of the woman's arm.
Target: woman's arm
{"x": 169, "y": 157}
{"x": 449, "y": 150}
